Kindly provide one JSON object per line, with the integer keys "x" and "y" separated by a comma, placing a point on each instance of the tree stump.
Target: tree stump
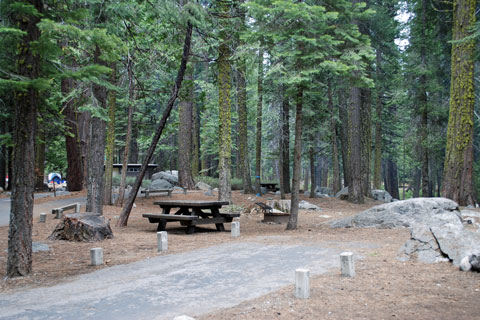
{"x": 86, "y": 227}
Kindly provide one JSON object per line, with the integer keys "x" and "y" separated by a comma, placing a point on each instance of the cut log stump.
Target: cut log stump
{"x": 87, "y": 226}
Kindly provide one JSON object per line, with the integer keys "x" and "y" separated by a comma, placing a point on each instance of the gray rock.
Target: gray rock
{"x": 402, "y": 214}
{"x": 465, "y": 264}
{"x": 324, "y": 190}
{"x": 160, "y": 184}
{"x": 381, "y": 195}
{"x": 169, "y": 176}
{"x": 342, "y": 194}
{"x": 202, "y": 186}
{"x": 321, "y": 195}
{"x": 305, "y": 205}
{"x": 38, "y": 246}
{"x": 209, "y": 193}
{"x": 475, "y": 262}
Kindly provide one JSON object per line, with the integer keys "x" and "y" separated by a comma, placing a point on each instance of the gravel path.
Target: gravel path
{"x": 166, "y": 286}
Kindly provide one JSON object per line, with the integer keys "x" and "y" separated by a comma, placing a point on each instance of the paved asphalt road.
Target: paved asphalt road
{"x": 165, "y": 286}
{"x": 42, "y": 207}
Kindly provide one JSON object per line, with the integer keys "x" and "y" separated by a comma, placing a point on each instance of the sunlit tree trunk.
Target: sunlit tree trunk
{"x": 458, "y": 169}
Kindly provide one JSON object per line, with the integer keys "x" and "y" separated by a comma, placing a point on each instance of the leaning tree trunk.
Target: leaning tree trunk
{"x": 72, "y": 140}
{"x": 122, "y": 221}
{"x": 258, "y": 140}
{"x": 110, "y": 142}
{"x": 458, "y": 170}
{"x": 185, "y": 106}
{"x": 128, "y": 137}
{"x": 19, "y": 261}
{"x": 297, "y": 162}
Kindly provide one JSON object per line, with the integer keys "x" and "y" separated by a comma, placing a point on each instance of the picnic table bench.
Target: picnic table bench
{"x": 191, "y": 213}
{"x": 148, "y": 191}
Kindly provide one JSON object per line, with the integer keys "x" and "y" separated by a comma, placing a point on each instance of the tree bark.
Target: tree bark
{"x": 185, "y": 178}
{"x": 391, "y": 178}
{"x": 258, "y": 140}
{"x": 333, "y": 139}
{"x": 19, "y": 260}
{"x": 96, "y": 154}
{"x": 377, "y": 166}
{"x": 40, "y": 159}
{"x": 345, "y": 146}
{"x": 297, "y": 162}
{"x": 366, "y": 139}
{"x": 355, "y": 193}
{"x": 242, "y": 124}
{"x": 110, "y": 142}
{"x": 224, "y": 105}
{"x": 458, "y": 169}
{"x": 422, "y": 103}
{"x": 75, "y": 177}
{"x": 3, "y": 157}
{"x": 128, "y": 137}
{"x": 123, "y": 220}
{"x": 312, "y": 173}
{"x": 285, "y": 146}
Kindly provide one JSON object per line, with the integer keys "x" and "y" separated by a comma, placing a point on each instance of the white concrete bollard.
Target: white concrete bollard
{"x": 347, "y": 264}
{"x": 235, "y": 229}
{"x": 78, "y": 206}
{"x": 43, "y": 217}
{"x": 162, "y": 241}
{"x": 302, "y": 283}
{"x": 96, "y": 256}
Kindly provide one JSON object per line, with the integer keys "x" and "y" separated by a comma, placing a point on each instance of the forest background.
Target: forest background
{"x": 331, "y": 93}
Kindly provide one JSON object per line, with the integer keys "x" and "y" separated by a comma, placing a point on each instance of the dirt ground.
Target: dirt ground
{"x": 383, "y": 288}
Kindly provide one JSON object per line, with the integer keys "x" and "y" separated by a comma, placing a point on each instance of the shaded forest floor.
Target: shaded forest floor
{"x": 383, "y": 287}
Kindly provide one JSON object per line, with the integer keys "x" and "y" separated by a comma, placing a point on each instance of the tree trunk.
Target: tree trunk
{"x": 110, "y": 147}
{"x": 422, "y": 103}
{"x": 185, "y": 106}
{"x": 75, "y": 177}
{"x": 366, "y": 138}
{"x": 128, "y": 137}
{"x": 312, "y": 173}
{"x": 377, "y": 167}
{"x": 242, "y": 123}
{"x": 333, "y": 131}
{"x": 391, "y": 178}
{"x": 224, "y": 105}
{"x": 345, "y": 146}
{"x": 457, "y": 177}
{"x": 258, "y": 141}
{"x": 195, "y": 139}
{"x": 297, "y": 162}
{"x": 96, "y": 154}
{"x": 19, "y": 261}
{"x": 285, "y": 146}
{"x": 416, "y": 183}
{"x": 3, "y": 157}
{"x": 40, "y": 159}
{"x": 133, "y": 154}
{"x": 123, "y": 220}
{"x": 355, "y": 193}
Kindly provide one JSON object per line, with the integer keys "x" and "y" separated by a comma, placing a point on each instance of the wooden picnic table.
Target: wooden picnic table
{"x": 270, "y": 186}
{"x": 191, "y": 213}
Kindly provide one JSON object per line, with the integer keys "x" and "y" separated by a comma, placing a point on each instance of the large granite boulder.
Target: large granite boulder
{"x": 160, "y": 184}
{"x": 203, "y": 186}
{"x": 324, "y": 190}
{"x": 437, "y": 230}
{"x": 382, "y": 195}
{"x": 402, "y": 214}
{"x": 170, "y": 176}
{"x": 305, "y": 205}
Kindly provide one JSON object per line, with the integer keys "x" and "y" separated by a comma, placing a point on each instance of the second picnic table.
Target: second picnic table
{"x": 191, "y": 213}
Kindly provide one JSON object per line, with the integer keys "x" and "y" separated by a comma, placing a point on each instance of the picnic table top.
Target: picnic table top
{"x": 268, "y": 183}
{"x": 191, "y": 203}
